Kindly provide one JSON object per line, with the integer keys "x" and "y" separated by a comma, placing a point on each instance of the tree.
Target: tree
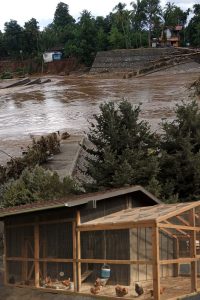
{"x": 87, "y": 34}
{"x": 13, "y": 37}
{"x": 123, "y": 148}
{"x": 62, "y": 16}
{"x": 152, "y": 19}
{"x": 138, "y": 18}
{"x": 31, "y": 37}
{"x": 122, "y": 22}
{"x": 193, "y": 30}
{"x": 173, "y": 15}
{"x": 180, "y": 154}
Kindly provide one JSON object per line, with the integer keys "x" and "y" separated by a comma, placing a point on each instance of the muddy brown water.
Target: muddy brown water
{"x": 68, "y": 103}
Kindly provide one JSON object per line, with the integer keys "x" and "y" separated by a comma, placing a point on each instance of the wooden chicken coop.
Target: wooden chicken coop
{"x": 63, "y": 244}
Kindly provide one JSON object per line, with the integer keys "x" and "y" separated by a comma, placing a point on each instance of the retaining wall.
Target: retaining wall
{"x": 129, "y": 59}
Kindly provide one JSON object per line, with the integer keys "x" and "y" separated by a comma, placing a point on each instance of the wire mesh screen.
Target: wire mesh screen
{"x": 184, "y": 246}
{"x": 100, "y": 244}
{"x": 56, "y": 275}
{"x": 20, "y": 242}
{"x": 56, "y": 240}
{"x": 118, "y": 274}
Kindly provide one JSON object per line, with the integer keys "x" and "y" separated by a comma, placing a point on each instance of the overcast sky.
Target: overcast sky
{"x": 43, "y": 10}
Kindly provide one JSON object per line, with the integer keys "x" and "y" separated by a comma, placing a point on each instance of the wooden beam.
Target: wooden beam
{"x": 178, "y": 211}
{"x": 36, "y": 254}
{"x": 19, "y": 258}
{"x": 168, "y": 233}
{"x": 179, "y": 227}
{"x": 78, "y": 243}
{"x": 64, "y": 220}
{"x": 183, "y": 220}
{"x": 115, "y": 226}
{"x": 179, "y": 230}
{"x": 115, "y": 262}
{"x": 156, "y": 263}
{"x": 74, "y": 255}
{"x": 177, "y": 260}
{"x": 193, "y": 252}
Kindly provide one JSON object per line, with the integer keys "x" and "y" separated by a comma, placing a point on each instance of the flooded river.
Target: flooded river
{"x": 68, "y": 103}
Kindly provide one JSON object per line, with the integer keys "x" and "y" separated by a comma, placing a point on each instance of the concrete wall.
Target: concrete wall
{"x": 129, "y": 60}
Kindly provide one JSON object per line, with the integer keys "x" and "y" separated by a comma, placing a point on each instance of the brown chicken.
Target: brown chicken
{"x": 66, "y": 282}
{"x": 121, "y": 291}
{"x": 95, "y": 290}
{"x": 48, "y": 280}
{"x": 97, "y": 282}
{"x": 162, "y": 289}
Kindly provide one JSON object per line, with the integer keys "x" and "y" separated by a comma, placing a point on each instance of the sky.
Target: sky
{"x": 43, "y": 10}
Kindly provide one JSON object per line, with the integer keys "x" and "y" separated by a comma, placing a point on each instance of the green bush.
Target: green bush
{"x": 6, "y": 75}
{"x": 36, "y": 185}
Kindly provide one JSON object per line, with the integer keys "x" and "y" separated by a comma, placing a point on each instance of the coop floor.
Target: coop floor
{"x": 174, "y": 287}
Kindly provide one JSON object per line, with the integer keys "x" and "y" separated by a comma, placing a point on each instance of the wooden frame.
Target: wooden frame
{"x": 187, "y": 229}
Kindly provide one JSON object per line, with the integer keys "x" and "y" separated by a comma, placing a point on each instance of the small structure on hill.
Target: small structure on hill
{"x": 119, "y": 236}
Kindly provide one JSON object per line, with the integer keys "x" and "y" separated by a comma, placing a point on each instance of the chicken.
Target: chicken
{"x": 139, "y": 289}
{"x": 121, "y": 291}
{"x": 48, "y": 280}
{"x": 66, "y": 282}
{"x": 100, "y": 282}
{"x": 95, "y": 290}
{"x": 162, "y": 289}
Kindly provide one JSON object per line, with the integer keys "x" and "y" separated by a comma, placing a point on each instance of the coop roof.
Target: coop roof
{"x": 75, "y": 200}
{"x": 146, "y": 215}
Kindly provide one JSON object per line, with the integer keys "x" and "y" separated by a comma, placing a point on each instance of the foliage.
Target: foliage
{"x": 6, "y": 75}
{"x": 124, "y": 151}
{"x": 82, "y": 38}
{"x": 37, "y": 153}
{"x": 13, "y": 37}
{"x": 193, "y": 30}
{"x": 124, "y": 148}
{"x": 36, "y": 185}
{"x": 180, "y": 154}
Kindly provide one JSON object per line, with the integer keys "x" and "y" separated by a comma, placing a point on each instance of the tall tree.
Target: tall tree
{"x": 138, "y": 19}
{"x": 87, "y": 36}
{"x": 173, "y": 15}
{"x": 180, "y": 154}
{"x": 13, "y": 37}
{"x": 122, "y": 149}
{"x": 152, "y": 10}
{"x": 62, "y": 16}
{"x": 31, "y": 37}
{"x": 122, "y": 21}
{"x": 193, "y": 30}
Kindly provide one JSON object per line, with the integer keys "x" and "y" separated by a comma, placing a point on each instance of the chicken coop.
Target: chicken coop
{"x": 118, "y": 238}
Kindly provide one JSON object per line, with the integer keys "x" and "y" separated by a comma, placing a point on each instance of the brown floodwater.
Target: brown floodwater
{"x": 68, "y": 103}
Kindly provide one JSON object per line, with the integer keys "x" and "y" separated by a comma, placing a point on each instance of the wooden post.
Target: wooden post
{"x": 193, "y": 252}
{"x": 5, "y": 256}
{"x": 176, "y": 255}
{"x": 156, "y": 264}
{"x": 74, "y": 256}
{"x": 78, "y": 221}
{"x": 36, "y": 254}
